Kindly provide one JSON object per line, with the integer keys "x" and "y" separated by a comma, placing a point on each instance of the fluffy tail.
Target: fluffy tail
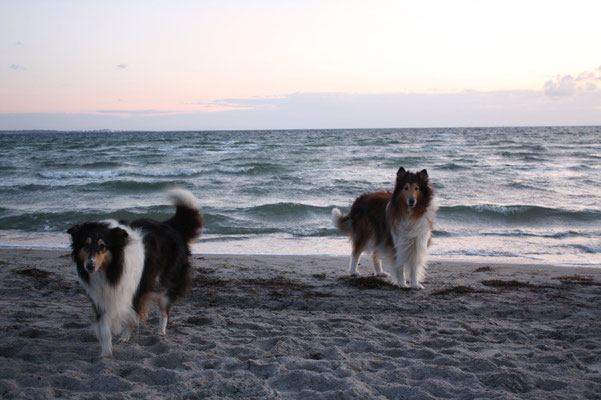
{"x": 342, "y": 222}
{"x": 188, "y": 220}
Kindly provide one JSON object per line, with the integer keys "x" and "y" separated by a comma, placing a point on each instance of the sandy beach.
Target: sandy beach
{"x": 298, "y": 327}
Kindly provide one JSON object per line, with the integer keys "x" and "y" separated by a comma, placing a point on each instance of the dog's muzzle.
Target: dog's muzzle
{"x": 90, "y": 266}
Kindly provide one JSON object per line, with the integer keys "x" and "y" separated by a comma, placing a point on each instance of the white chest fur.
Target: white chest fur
{"x": 114, "y": 302}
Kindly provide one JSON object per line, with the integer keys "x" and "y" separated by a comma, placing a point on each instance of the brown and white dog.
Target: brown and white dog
{"x": 126, "y": 267}
{"x": 396, "y": 225}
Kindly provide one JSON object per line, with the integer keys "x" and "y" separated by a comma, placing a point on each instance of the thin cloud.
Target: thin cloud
{"x": 17, "y": 67}
{"x": 568, "y": 85}
{"x": 347, "y": 110}
{"x": 137, "y": 112}
{"x": 311, "y": 110}
{"x": 242, "y": 103}
{"x": 121, "y": 66}
{"x": 19, "y": 43}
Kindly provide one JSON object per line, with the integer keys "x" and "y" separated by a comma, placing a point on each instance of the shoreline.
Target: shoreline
{"x": 365, "y": 261}
{"x": 298, "y": 327}
{"x": 337, "y": 246}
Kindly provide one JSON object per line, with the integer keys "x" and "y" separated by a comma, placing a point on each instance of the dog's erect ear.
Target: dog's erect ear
{"x": 401, "y": 172}
{"x": 119, "y": 235}
{"x": 423, "y": 175}
{"x": 73, "y": 230}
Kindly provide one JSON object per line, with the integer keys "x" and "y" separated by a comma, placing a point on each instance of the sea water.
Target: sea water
{"x": 506, "y": 194}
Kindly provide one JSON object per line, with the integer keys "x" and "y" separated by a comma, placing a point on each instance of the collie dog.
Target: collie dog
{"x": 396, "y": 225}
{"x": 125, "y": 267}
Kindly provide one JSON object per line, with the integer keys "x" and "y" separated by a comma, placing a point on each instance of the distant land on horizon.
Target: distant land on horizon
{"x": 282, "y": 129}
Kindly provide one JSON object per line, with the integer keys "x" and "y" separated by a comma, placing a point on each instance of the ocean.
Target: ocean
{"x": 524, "y": 195}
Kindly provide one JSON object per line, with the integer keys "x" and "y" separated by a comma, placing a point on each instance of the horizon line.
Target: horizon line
{"x": 106, "y": 130}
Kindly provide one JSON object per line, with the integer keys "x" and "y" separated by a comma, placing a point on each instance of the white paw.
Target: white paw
{"x": 382, "y": 274}
{"x": 403, "y": 285}
{"x": 106, "y": 355}
{"x": 162, "y": 333}
{"x": 354, "y": 274}
{"x": 417, "y": 286}
{"x": 125, "y": 334}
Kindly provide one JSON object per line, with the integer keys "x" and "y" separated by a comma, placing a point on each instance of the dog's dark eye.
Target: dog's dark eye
{"x": 101, "y": 247}
{"x": 417, "y": 188}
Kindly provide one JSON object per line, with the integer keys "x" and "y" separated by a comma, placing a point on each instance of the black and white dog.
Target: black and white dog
{"x": 125, "y": 267}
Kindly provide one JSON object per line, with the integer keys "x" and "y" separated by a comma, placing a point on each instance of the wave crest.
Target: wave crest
{"x": 518, "y": 213}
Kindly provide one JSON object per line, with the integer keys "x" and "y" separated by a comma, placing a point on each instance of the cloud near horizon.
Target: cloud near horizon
{"x": 568, "y": 85}
{"x": 340, "y": 110}
{"x": 129, "y": 113}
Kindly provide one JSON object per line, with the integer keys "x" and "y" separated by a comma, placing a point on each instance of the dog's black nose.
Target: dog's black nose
{"x": 411, "y": 202}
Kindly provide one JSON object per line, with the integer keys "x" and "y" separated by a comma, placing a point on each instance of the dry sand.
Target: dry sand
{"x": 297, "y": 327}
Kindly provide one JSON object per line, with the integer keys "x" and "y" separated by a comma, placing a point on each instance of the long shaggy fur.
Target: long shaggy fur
{"x": 395, "y": 225}
{"x": 126, "y": 267}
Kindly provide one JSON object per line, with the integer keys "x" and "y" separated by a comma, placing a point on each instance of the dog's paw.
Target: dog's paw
{"x": 382, "y": 274}
{"x": 353, "y": 275}
{"x": 417, "y": 286}
{"x": 124, "y": 338}
{"x": 403, "y": 285}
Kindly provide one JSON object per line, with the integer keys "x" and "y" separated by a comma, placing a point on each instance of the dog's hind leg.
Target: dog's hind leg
{"x": 354, "y": 262}
{"x": 377, "y": 260}
{"x": 359, "y": 243}
{"x": 164, "y": 314}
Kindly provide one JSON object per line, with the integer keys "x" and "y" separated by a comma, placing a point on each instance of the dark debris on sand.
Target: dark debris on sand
{"x": 513, "y": 284}
{"x": 578, "y": 280}
{"x": 33, "y": 272}
{"x": 367, "y": 282}
{"x": 457, "y": 290}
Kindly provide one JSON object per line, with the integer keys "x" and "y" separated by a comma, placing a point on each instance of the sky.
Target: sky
{"x": 204, "y": 65}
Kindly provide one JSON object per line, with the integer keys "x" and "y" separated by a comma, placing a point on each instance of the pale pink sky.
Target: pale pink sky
{"x": 277, "y": 64}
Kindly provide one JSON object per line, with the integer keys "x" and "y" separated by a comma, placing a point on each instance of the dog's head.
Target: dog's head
{"x": 413, "y": 190}
{"x": 95, "y": 245}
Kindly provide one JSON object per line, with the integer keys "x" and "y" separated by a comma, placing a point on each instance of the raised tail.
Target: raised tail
{"x": 341, "y": 221}
{"x": 188, "y": 220}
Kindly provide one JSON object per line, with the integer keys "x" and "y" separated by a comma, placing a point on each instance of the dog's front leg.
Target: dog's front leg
{"x": 414, "y": 277}
{"x": 398, "y": 262}
{"x": 103, "y": 333}
{"x": 417, "y": 261}
{"x": 127, "y": 330}
{"x": 400, "y": 271}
